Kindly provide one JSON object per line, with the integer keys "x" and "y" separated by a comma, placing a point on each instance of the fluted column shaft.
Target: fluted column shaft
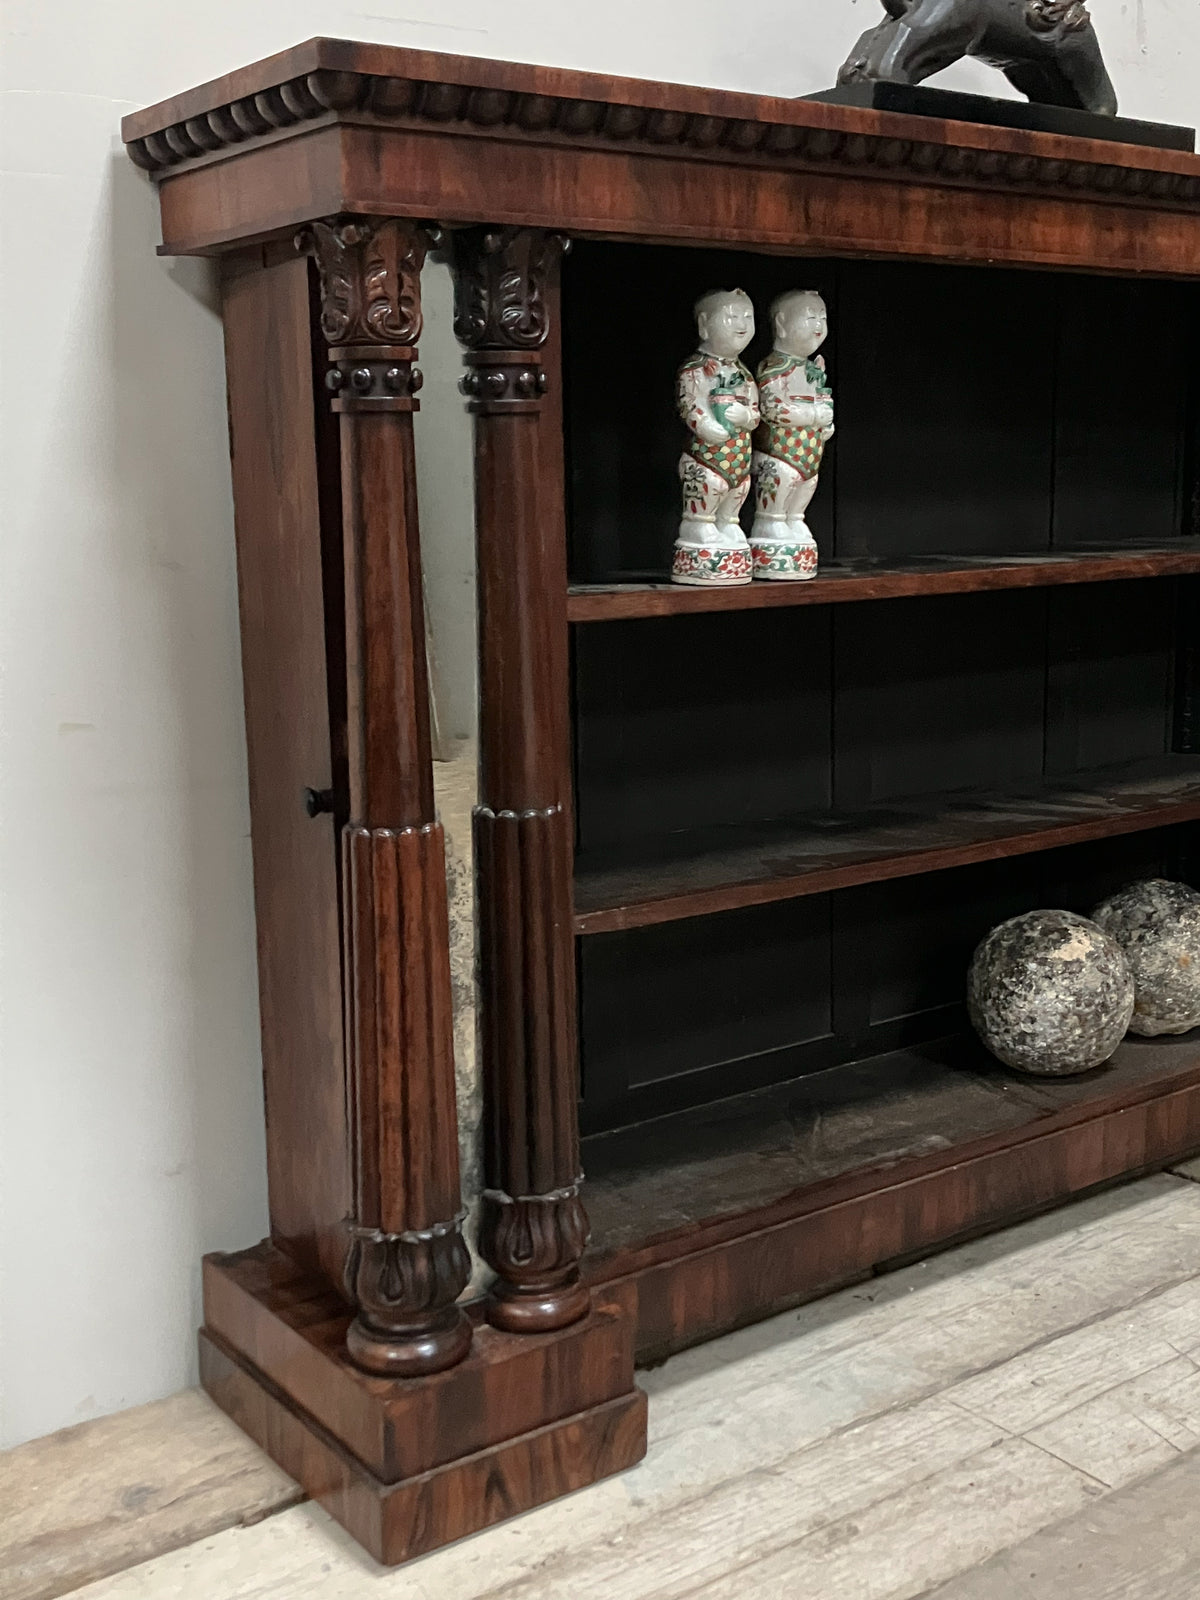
{"x": 408, "y": 1261}
{"x": 534, "y": 1227}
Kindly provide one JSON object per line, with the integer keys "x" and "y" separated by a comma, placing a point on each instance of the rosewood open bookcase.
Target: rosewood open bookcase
{"x": 733, "y": 847}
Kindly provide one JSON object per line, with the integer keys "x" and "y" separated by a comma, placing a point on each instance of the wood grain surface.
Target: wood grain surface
{"x": 351, "y": 57}
{"x": 407, "y": 1261}
{"x": 335, "y": 126}
{"x": 109, "y": 1494}
{"x": 397, "y": 1522}
{"x": 680, "y": 1181}
{"x": 291, "y": 1329}
{"x": 706, "y": 1277}
{"x": 864, "y": 1441}
{"x": 1140, "y": 1544}
{"x": 274, "y": 188}
{"x": 534, "y": 1225}
{"x": 278, "y": 521}
{"x": 843, "y": 582}
{"x": 842, "y": 762}
{"x": 709, "y": 871}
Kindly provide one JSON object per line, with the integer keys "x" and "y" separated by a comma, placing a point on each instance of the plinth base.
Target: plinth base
{"x": 709, "y": 565}
{"x": 785, "y": 560}
{"x": 409, "y": 1465}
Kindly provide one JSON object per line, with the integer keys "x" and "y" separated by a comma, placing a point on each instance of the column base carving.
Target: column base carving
{"x": 535, "y": 1243}
{"x": 405, "y": 1286}
{"x": 535, "y": 1228}
{"x": 403, "y": 1353}
{"x": 407, "y": 1265}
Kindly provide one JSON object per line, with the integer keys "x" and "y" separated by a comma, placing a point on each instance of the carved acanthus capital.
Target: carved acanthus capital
{"x": 370, "y": 279}
{"x": 500, "y": 279}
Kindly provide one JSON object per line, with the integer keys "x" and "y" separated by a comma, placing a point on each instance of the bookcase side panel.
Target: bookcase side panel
{"x": 277, "y": 500}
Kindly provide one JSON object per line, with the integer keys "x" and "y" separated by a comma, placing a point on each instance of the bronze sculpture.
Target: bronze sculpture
{"x": 1047, "y": 49}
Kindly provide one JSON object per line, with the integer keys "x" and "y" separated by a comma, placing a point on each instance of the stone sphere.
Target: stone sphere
{"x": 1157, "y": 924}
{"x": 1050, "y": 993}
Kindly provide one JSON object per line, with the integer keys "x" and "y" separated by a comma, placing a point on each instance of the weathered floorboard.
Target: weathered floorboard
{"x": 804, "y": 1454}
{"x": 1140, "y": 1544}
{"x": 100, "y": 1497}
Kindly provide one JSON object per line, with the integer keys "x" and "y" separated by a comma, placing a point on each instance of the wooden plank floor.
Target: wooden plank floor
{"x": 1019, "y": 1405}
{"x": 99, "y": 1497}
{"x": 1142, "y": 1543}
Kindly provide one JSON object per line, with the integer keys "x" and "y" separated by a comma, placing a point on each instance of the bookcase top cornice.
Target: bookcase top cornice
{"x": 340, "y": 90}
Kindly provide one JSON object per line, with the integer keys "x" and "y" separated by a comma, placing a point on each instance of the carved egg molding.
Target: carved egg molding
{"x": 326, "y": 95}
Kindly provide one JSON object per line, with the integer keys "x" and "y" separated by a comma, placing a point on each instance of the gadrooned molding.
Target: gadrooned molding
{"x": 410, "y": 102}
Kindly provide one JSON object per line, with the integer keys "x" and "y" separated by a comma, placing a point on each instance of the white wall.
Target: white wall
{"x": 130, "y": 1122}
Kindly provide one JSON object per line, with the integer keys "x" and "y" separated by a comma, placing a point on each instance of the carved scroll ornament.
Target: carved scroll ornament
{"x": 500, "y": 286}
{"x": 370, "y": 279}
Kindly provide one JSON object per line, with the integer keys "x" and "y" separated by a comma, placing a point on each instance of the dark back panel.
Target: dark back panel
{"x": 944, "y": 387}
{"x": 938, "y": 694}
{"x": 1112, "y": 671}
{"x": 979, "y": 409}
{"x": 269, "y": 369}
{"x": 694, "y": 1011}
{"x": 903, "y": 948}
{"x": 1126, "y": 349}
{"x": 690, "y": 722}
{"x": 624, "y": 438}
{"x": 695, "y": 721}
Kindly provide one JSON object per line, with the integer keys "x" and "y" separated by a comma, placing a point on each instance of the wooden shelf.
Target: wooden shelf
{"x": 890, "y": 578}
{"x": 769, "y": 1199}
{"x": 689, "y": 1179}
{"x": 721, "y": 869}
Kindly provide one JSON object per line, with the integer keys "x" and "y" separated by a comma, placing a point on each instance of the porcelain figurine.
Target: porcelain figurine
{"x": 797, "y": 422}
{"x": 718, "y": 399}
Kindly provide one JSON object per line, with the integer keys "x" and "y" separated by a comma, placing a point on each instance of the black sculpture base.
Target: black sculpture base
{"x": 919, "y": 101}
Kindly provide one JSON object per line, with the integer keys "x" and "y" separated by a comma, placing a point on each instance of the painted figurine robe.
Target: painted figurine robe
{"x": 718, "y": 399}
{"x": 797, "y": 422}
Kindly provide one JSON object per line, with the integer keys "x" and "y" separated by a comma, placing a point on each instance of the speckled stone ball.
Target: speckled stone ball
{"x": 1157, "y": 924}
{"x": 1050, "y": 993}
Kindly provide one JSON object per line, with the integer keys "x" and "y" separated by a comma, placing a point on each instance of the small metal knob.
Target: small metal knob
{"x": 318, "y": 801}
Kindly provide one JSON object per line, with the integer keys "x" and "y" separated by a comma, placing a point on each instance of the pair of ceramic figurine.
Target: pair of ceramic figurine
{"x": 773, "y": 431}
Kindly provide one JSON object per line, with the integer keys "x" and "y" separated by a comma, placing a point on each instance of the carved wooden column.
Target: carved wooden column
{"x": 408, "y": 1263}
{"x": 534, "y": 1226}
